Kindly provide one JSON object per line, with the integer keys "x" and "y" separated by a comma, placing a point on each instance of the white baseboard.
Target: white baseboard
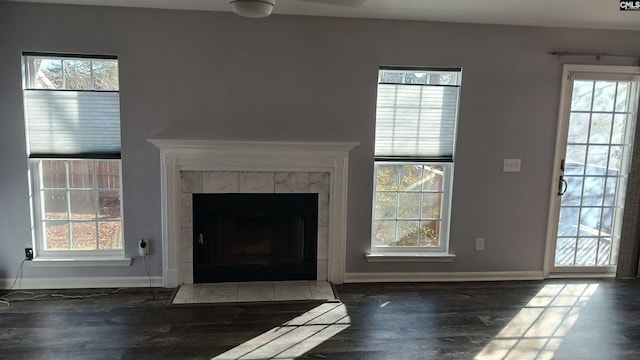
{"x": 582, "y": 276}
{"x": 157, "y": 281}
{"x": 442, "y": 277}
{"x": 81, "y": 282}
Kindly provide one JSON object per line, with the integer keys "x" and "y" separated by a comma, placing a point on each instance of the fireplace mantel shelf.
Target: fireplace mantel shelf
{"x": 227, "y": 145}
{"x": 178, "y": 155}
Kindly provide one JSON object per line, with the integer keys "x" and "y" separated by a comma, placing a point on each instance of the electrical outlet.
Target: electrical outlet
{"x": 479, "y": 244}
{"x": 28, "y": 253}
{"x": 143, "y": 247}
{"x": 511, "y": 165}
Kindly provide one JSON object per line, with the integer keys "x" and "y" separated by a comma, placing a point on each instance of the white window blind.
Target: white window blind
{"x": 69, "y": 122}
{"x": 72, "y": 105}
{"x": 416, "y": 113}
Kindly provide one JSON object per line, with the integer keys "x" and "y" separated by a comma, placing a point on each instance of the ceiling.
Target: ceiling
{"x": 596, "y": 14}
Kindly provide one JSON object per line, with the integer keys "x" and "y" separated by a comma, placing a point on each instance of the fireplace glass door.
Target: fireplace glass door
{"x": 254, "y": 237}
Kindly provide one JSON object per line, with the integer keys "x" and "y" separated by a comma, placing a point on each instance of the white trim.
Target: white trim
{"x": 603, "y": 69}
{"x": 442, "y": 277}
{"x": 78, "y": 261}
{"x": 574, "y": 275}
{"x": 409, "y": 257}
{"x": 193, "y": 146}
{"x": 583, "y": 271}
{"x": 560, "y": 149}
{"x": 81, "y": 282}
{"x": 215, "y": 155}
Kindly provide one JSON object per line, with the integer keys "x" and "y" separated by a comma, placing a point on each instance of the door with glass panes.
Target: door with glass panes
{"x": 593, "y": 155}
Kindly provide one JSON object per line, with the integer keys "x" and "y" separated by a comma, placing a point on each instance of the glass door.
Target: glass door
{"x": 597, "y": 125}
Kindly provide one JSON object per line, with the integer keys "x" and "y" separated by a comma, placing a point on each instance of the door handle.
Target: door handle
{"x": 562, "y": 186}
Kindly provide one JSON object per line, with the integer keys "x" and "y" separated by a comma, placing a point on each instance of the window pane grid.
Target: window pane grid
{"x": 401, "y": 217}
{"x": 61, "y": 73}
{"x": 597, "y": 147}
{"x": 80, "y": 218}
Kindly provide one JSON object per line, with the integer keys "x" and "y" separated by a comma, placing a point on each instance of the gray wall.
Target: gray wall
{"x": 214, "y": 75}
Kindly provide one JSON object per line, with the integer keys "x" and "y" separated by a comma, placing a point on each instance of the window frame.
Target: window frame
{"x": 445, "y": 210}
{"x": 418, "y": 253}
{"x": 28, "y": 77}
{"x": 38, "y": 211}
{"x": 76, "y": 257}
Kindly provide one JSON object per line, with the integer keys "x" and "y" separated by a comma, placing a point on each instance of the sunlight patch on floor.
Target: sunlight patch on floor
{"x": 295, "y": 337}
{"x": 537, "y": 331}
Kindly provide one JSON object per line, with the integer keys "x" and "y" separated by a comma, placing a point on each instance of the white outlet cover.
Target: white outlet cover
{"x": 511, "y": 165}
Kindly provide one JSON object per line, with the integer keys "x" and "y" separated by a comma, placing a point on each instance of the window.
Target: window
{"x": 417, "y": 110}
{"x": 72, "y": 111}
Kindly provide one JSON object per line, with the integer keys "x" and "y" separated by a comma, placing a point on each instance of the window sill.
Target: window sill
{"x": 409, "y": 257}
{"x": 81, "y": 261}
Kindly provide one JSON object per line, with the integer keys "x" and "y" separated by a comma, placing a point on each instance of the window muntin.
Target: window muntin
{"x": 72, "y": 113}
{"x": 70, "y": 73}
{"x": 410, "y": 205}
{"x": 416, "y": 118}
{"x": 80, "y": 204}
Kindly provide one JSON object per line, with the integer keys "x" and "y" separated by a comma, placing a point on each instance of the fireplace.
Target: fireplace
{"x": 217, "y": 166}
{"x": 254, "y": 237}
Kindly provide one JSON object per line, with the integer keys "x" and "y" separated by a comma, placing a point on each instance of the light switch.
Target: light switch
{"x": 511, "y": 165}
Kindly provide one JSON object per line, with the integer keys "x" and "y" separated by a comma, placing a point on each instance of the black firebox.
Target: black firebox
{"x": 254, "y": 237}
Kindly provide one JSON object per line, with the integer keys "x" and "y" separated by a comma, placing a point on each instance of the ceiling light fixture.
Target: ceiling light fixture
{"x": 253, "y": 8}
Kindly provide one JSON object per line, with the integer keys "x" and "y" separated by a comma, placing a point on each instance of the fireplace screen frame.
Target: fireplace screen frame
{"x": 274, "y": 210}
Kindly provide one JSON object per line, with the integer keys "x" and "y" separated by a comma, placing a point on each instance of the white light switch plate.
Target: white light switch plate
{"x": 511, "y": 165}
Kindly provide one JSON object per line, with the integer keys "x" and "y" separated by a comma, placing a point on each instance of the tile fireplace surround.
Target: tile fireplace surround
{"x": 212, "y": 166}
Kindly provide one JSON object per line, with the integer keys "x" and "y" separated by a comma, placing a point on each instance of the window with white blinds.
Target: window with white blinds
{"x": 72, "y": 106}
{"x": 73, "y": 122}
{"x": 72, "y": 117}
{"x": 417, "y": 110}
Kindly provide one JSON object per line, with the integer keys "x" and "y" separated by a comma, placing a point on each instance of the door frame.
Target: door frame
{"x": 559, "y": 152}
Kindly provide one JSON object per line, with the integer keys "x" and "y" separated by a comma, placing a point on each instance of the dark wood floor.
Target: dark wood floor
{"x": 586, "y": 319}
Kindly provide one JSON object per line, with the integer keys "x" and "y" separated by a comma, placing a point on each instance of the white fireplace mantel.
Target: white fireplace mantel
{"x": 214, "y": 155}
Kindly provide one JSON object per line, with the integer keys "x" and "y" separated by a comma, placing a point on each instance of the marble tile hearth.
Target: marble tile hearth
{"x": 260, "y": 291}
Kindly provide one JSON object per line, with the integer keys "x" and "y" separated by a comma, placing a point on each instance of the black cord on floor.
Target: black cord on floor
{"x": 146, "y": 269}
{"x": 18, "y": 275}
{"x": 10, "y": 296}
{"x": 30, "y": 295}
{"x": 7, "y": 298}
